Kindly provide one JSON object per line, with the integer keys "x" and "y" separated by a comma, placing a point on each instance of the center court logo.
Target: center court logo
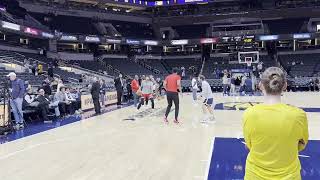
{"x": 235, "y": 105}
{"x": 157, "y": 112}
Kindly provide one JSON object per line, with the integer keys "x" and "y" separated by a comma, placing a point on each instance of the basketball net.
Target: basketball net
{"x": 249, "y": 63}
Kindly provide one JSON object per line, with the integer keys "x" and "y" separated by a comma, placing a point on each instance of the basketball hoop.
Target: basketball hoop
{"x": 248, "y": 60}
{"x": 248, "y": 57}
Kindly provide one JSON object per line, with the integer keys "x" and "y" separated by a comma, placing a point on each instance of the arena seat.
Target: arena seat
{"x": 300, "y": 65}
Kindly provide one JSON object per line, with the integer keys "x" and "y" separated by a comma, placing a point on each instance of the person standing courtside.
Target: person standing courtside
{"x": 95, "y": 92}
{"x": 17, "y": 94}
{"x": 172, "y": 83}
{"x": 135, "y": 87}
{"x": 118, "y": 83}
{"x": 103, "y": 90}
{"x": 274, "y": 132}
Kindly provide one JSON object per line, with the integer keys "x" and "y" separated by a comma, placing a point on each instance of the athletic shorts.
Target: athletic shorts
{"x": 208, "y": 102}
{"x": 147, "y": 96}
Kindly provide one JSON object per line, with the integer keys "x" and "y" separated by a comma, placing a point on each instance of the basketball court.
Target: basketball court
{"x": 116, "y": 145}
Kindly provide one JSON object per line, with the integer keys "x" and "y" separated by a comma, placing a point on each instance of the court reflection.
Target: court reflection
{"x": 229, "y": 157}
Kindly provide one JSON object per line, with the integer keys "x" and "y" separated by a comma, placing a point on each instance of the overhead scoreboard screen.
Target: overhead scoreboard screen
{"x": 190, "y": 1}
{"x": 248, "y": 39}
{"x": 162, "y": 2}
{"x": 176, "y": 2}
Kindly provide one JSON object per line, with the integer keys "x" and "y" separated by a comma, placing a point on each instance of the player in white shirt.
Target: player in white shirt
{"x": 194, "y": 88}
{"x": 243, "y": 83}
{"x": 147, "y": 92}
{"x": 225, "y": 83}
{"x": 208, "y": 100}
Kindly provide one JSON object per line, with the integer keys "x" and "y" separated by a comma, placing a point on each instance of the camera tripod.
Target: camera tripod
{"x": 7, "y": 125}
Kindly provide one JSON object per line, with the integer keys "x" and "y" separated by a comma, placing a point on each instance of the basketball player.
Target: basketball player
{"x": 225, "y": 83}
{"x": 194, "y": 88}
{"x": 172, "y": 83}
{"x": 160, "y": 88}
{"x": 242, "y": 84}
{"x": 208, "y": 100}
{"x": 233, "y": 85}
{"x": 147, "y": 92}
{"x": 274, "y": 132}
{"x": 135, "y": 87}
{"x": 155, "y": 89}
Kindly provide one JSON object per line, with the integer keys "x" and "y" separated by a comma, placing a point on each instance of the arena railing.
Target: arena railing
{"x": 89, "y": 71}
{"x": 301, "y": 81}
{"x": 13, "y": 64}
{"x": 145, "y": 65}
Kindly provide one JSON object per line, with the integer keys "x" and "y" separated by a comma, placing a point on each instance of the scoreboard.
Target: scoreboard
{"x": 162, "y": 2}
